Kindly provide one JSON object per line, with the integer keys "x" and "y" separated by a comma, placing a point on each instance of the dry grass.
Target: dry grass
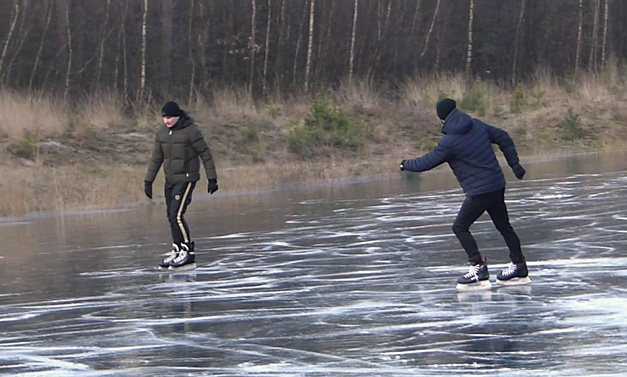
{"x": 249, "y": 136}
{"x": 40, "y": 115}
{"x": 36, "y": 188}
{"x": 362, "y": 96}
{"x": 103, "y": 110}
{"x": 427, "y": 90}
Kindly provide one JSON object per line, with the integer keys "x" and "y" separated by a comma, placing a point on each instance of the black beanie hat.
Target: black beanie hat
{"x": 171, "y": 109}
{"x": 445, "y": 107}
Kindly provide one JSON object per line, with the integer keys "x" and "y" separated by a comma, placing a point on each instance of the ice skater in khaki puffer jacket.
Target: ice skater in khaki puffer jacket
{"x": 467, "y": 147}
{"x": 178, "y": 146}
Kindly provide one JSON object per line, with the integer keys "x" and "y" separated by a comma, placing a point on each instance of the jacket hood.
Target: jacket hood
{"x": 184, "y": 121}
{"x": 457, "y": 123}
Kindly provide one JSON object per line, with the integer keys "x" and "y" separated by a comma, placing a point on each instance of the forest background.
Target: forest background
{"x": 290, "y": 91}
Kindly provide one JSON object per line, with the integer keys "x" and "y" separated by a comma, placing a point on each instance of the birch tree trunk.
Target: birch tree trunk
{"x": 594, "y": 45}
{"x": 309, "y": 43}
{"x": 579, "y": 33}
{"x": 440, "y": 37}
{"x": 41, "y": 47}
{"x": 604, "y": 44}
{"x": 190, "y": 44}
{"x": 435, "y": 16}
{"x": 69, "y": 53}
{"x": 471, "y": 10}
{"x": 415, "y": 18}
{"x": 264, "y": 80}
{"x": 16, "y": 13}
{"x": 103, "y": 38}
{"x": 521, "y": 16}
{"x": 21, "y": 37}
{"x": 351, "y": 58}
{"x": 124, "y": 55}
{"x": 203, "y": 41}
{"x": 278, "y": 60}
{"x": 299, "y": 41}
{"x": 252, "y": 45}
{"x": 382, "y": 37}
{"x": 142, "y": 76}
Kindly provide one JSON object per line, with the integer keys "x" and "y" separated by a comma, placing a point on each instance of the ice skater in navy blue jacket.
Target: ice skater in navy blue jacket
{"x": 467, "y": 147}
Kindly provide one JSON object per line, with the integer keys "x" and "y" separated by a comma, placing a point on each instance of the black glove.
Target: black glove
{"x": 519, "y": 171}
{"x": 212, "y": 186}
{"x": 148, "y": 189}
{"x": 403, "y": 165}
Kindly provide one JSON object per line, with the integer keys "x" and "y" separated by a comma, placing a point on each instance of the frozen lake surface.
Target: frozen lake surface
{"x": 351, "y": 281}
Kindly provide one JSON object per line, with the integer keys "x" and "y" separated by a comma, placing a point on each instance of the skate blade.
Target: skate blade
{"x": 478, "y": 286}
{"x": 514, "y": 282}
{"x": 187, "y": 267}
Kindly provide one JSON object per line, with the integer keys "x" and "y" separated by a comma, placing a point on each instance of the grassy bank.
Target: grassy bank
{"x": 58, "y": 157}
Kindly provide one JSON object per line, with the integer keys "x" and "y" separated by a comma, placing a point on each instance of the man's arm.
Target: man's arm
{"x": 437, "y": 156}
{"x": 507, "y": 146}
{"x": 504, "y": 141}
{"x": 202, "y": 148}
{"x": 155, "y": 162}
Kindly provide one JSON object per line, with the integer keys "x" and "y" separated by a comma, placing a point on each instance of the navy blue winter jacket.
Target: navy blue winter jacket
{"x": 467, "y": 147}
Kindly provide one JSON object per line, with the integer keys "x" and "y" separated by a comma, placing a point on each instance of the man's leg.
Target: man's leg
{"x": 179, "y": 198}
{"x": 500, "y": 218}
{"x": 469, "y": 212}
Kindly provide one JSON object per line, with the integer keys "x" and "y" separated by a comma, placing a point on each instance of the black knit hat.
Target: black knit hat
{"x": 444, "y": 107}
{"x": 171, "y": 109}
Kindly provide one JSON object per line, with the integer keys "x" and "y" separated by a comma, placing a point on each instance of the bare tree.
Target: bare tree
{"x": 299, "y": 40}
{"x": 22, "y": 36}
{"x": 142, "y": 75}
{"x": 165, "y": 69}
{"x": 41, "y": 46}
{"x": 278, "y": 68}
{"x": 103, "y": 38}
{"x": 203, "y": 40}
{"x": 351, "y": 58}
{"x": 382, "y": 18}
{"x": 69, "y": 53}
{"x": 190, "y": 44}
{"x": 440, "y": 36}
{"x": 521, "y": 16}
{"x": 471, "y": 9}
{"x": 252, "y": 45}
{"x": 267, "y": 49}
{"x": 310, "y": 42}
{"x": 383, "y": 33}
{"x": 122, "y": 42}
{"x": 16, "y": 13}
{"x": 435, "y": 16}
{"x": 594, "y": 45}
{"x": 326, "y": 23}
{"x": 415, "y": 18}
{"x": 579, "y": 34}
{"x": 604, "y": 45}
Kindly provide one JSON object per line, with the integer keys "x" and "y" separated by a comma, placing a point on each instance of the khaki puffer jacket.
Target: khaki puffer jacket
{"x": 178, "y": 149}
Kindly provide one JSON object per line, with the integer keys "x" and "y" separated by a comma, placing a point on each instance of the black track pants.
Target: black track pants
{"x": 475, "y": 206}
{"x": 177, "y": 198}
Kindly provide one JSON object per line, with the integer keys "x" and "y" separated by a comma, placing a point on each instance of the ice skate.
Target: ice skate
{"x": 165, "y": 262}
{"x": 477, "y": 278}
{"x": 514, "y": 274}
{"x": 185, "y": 260}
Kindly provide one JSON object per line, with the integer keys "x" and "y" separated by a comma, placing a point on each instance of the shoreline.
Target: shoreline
{"x": 95, "y": 209}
